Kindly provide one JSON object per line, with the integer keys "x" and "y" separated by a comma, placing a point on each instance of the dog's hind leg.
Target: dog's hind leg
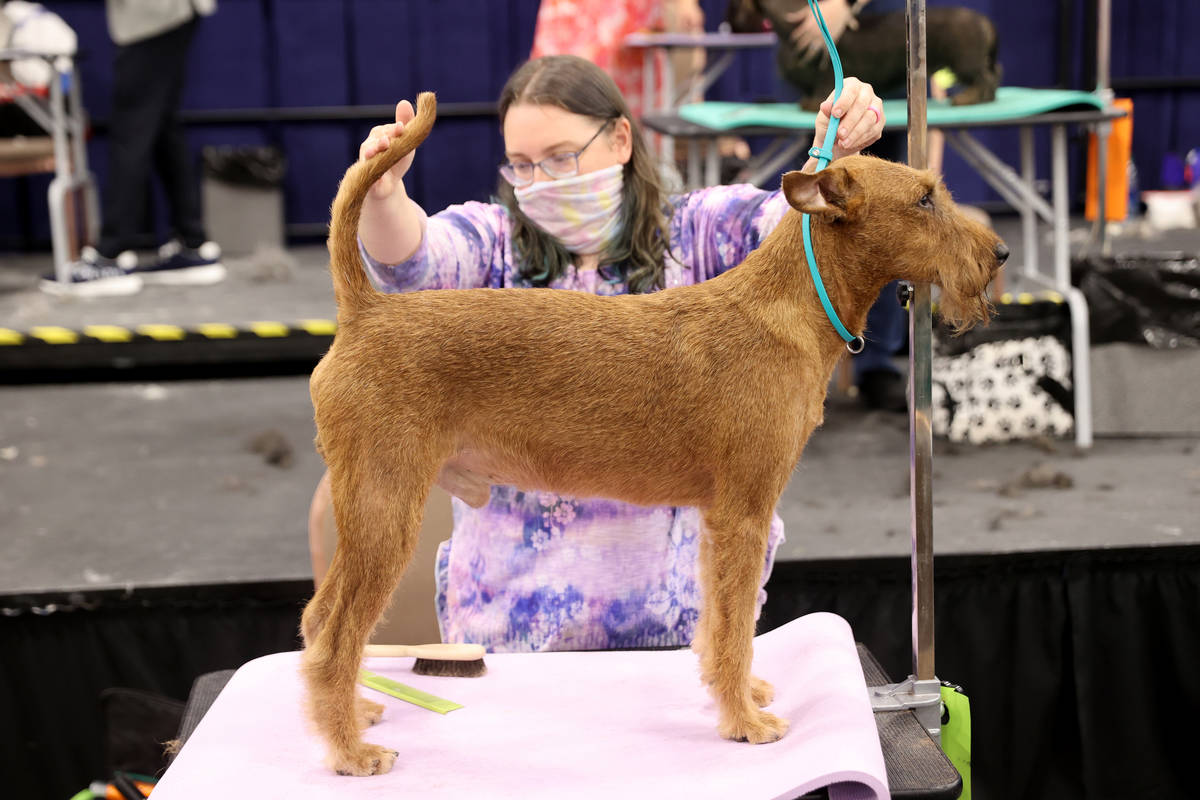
{"x": 730, "y": 571}
{"x": 315, "y": 613}
{"x": 378, "y": 520}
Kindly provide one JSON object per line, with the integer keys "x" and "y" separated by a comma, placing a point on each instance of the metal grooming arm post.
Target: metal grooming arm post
{"x": 921, "y": 692}
{"x": 1104, "y": 90}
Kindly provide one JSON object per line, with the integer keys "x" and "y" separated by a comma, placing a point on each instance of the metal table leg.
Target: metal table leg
{"x": 666, "y": 143}
{"x": 693, "y": 162}
{"x": 62, "y": 183}
{"x": 1080, "y": 327}
{"x": 712, "y": 163}
{"x": 83, "y": 175}
{"x": 1029, "y": 222}
{"x": 1022, "y": 194}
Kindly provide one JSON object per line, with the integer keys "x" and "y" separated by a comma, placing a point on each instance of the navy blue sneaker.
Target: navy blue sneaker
{"x": 185, "y": 266}
{"x": 94, "y": 275}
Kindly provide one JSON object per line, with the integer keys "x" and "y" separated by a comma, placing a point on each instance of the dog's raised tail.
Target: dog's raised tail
{"x": 351, "y": 286}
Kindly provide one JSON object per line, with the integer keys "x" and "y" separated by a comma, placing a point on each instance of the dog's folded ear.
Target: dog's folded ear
{"x": 832, "y": 192}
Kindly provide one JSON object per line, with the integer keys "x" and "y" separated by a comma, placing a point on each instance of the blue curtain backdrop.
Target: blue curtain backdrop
{"x": 257, "y": 54}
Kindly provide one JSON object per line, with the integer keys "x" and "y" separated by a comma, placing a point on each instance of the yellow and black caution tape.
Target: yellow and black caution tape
{"x": 162, "y": 333}
{"x": 1028, "y": 298}
{"x": 52, "y": 334}
{"x": 217, "y": 330}
{"x": 1024, "y": 299}
{"x": 108, "y": 333}
{"x": 319, "y": 327}
{"x": 121, "y": 334}
{"x": 269, "y": 330}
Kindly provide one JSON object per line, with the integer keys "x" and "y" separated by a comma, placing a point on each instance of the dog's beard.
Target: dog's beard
{"x": 963, "y": 302}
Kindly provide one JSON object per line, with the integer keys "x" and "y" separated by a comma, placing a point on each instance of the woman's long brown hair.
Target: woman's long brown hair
{"x": 580, "y": 87}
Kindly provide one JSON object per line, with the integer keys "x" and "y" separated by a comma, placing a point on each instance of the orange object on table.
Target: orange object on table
{"x": 1120, "y": 150}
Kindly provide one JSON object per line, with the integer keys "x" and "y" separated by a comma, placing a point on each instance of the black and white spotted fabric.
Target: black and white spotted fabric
{"x": 1002, "y": 391}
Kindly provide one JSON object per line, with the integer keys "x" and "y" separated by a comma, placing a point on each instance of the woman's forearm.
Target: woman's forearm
{"x": 391, "y": 227}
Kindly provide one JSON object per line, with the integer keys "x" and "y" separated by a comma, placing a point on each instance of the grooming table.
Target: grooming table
{"x": 1023, "y": 108}
{"x": 68, "y": 129}
{"x": 724, "y": 43}
{"x": 584, "y": 725}
{"x": 657, "y": 71}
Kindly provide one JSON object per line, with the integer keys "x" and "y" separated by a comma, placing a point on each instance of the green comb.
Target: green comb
{"x": 406, "y": 693}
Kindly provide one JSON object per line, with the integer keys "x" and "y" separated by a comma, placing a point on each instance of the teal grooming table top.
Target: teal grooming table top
{"x": 1011, "y": 103}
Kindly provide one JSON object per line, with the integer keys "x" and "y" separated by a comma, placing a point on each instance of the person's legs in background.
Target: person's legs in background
{"x": 173, "y": 157}
{"x": 144, "y": 131}
{"x": 142, "y": 91}
{"x": 188, "y": 257}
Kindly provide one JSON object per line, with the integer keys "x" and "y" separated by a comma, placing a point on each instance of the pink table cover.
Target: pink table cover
{"x": 554, "y": 725}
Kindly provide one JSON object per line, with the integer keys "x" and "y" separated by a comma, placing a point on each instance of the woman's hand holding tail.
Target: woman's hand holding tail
{"x": 391, "y": 224}
{"x": 378, "y": 140}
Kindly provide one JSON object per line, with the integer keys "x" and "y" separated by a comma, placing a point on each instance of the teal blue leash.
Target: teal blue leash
{"x": 824, "y": 155}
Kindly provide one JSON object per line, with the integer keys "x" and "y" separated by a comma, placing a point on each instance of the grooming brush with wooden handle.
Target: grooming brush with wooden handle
{"x": 444, "y": 660}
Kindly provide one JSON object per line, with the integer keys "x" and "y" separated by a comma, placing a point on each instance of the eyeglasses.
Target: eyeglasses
{"x": 559, "y": 165}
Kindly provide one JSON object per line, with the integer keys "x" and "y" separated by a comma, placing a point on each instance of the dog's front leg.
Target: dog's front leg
{"x": 731, "y": 559}
{"x": 761, "y": 692}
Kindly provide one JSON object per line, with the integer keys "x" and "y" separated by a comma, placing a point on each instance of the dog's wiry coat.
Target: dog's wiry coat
{"x": 694, "y": 396}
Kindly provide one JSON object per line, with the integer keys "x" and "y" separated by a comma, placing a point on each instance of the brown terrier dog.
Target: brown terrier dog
{"x": 695, "y": 396}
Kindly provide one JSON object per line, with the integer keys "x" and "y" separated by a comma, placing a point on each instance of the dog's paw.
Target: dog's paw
{"x": 757, "y": 727}
{"x": 364, "y": 759}
{"x": 761, "y": 692}
{"x": 368, "y": 712}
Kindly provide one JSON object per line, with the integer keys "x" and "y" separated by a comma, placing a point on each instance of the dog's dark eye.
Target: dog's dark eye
{"x": 926, "y": 201}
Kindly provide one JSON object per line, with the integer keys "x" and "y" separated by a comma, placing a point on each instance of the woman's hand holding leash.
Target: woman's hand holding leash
{"x": 861, "y": 113}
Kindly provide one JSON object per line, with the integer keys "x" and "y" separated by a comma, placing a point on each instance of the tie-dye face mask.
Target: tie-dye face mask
{"x": 583, "y": 211}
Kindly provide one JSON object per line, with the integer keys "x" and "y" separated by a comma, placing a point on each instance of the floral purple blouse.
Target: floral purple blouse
{"x": 535, "y": 571}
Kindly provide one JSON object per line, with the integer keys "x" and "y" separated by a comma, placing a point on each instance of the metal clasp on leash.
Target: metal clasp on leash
{"x": 825, "y": 154}
{"x": 856, "y": 345}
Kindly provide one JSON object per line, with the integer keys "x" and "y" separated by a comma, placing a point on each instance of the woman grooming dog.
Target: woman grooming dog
{"x": 582, "y": 207}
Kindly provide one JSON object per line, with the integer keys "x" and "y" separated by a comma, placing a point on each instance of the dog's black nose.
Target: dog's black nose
{"x": 1002, "y": 252}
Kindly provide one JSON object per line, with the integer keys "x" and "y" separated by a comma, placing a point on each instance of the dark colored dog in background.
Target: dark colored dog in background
{"x": 957, "y": 38}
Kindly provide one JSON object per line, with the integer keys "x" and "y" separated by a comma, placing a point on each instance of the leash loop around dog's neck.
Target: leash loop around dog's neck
{"x": 854, "y": 344}
{"x": 824, "y": 154}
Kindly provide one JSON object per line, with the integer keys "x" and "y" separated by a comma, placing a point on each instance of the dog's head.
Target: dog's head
{"x": 905, "y": 225}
